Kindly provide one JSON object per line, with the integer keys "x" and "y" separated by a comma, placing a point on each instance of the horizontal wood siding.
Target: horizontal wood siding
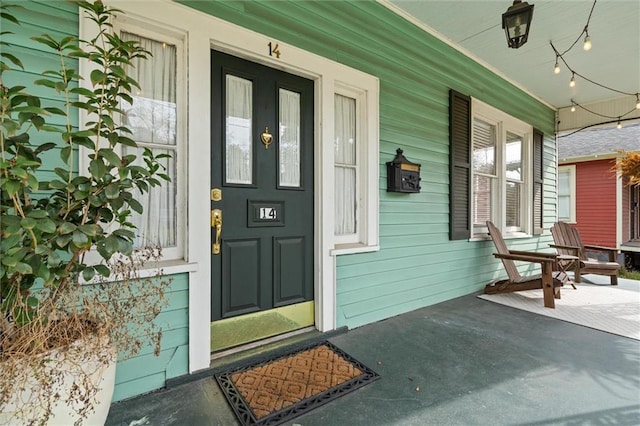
{"x": 147, "y": 372}
{"x": 417, "y": 265}
{"x": 596, "y": 202}
{"x": 58, "y": 19}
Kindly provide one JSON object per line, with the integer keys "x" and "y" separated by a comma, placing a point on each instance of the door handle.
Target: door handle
{"x": 216, "y": 222}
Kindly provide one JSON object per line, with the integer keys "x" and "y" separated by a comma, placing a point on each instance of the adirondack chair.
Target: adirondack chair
{"x": 549, "y": 280}
{"x": 568, "y": 242}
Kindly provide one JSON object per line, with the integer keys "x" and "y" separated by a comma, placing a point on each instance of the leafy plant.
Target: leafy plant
{"x": 48, "y": 226}
{"x": 629, "y": 166}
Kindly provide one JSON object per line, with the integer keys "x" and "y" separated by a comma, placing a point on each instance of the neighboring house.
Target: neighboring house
{"x": 307, "y": 220}
{"x": 593, "y": 195}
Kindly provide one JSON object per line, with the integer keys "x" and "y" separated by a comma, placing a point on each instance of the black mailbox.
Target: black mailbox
{"x": 402, "y": 174}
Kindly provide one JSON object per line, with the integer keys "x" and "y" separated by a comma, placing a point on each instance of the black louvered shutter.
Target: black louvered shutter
{"x": 460, "y": 165}
{"x": 538, "y": 184}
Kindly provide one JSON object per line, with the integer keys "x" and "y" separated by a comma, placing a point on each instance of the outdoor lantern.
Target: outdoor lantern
{"x": 516, "y": 22}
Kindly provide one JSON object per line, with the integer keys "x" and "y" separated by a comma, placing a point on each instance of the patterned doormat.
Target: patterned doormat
{"x": 274, "y": 391}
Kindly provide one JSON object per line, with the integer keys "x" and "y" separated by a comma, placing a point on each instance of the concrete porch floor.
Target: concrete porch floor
{"x": 462, "y": 362}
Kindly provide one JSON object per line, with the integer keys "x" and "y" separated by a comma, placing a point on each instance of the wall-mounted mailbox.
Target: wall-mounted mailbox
{"x": 402, "y": 174}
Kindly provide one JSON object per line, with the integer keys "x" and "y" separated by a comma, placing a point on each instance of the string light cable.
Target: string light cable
{"x": 587, "y": 46}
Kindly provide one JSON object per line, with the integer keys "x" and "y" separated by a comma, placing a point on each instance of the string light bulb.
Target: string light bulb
{"x": 587, "y": 41}
{"x": 572, "y": 83}
{"x": 637, "y": 100}
{"x": 556, "y": 68}
{"x": 573, "y": 108}
{"x": 619, "y": 125}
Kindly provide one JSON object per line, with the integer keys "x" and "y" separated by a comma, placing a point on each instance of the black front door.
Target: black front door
{"x": 262, "y": 187}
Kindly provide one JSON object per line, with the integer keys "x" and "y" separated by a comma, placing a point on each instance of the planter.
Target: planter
{"x": 74, "y": 370}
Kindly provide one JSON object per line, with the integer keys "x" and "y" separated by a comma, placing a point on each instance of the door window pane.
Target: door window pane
{"x": 289, "y": 140}
{"x": 345, "y": 165}
{"x": 239, "y": 130}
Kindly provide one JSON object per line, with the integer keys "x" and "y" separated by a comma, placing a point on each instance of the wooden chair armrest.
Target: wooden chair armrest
{"x": 534, "y": 253}
{"x": 526, "y": 258}
{"x": 567, "y": 257}
{"x": 600, "y": 248}
{"x": 610, "y": 250}
{"x": 564, "y": 247}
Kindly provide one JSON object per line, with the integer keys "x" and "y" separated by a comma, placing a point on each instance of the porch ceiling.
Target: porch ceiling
{"x": 475, "y": 27}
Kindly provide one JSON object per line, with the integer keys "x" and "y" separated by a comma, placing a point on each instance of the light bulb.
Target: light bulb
{"x": 556, "y": 69}
{"x": 572, "y": 83}
{"x": 573, "y": 108}
{"x": 619, "y": 125}
{"x": 637, "y": 101}
{"x": 587, "y": 43}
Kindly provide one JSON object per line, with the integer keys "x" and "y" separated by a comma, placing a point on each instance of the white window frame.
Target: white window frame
{"x": 354, "y": 239}
{"x": 571, "y": 171}
{"x": 203, "y": 33}
{"x": 177, "y": 253}
{"x": 505, "y": 123}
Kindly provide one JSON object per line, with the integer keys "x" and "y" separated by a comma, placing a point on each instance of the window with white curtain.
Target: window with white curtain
{"x": 346, "y": 166}
{"x": 154, "y": 119}
{"x": 567, "y": 193}
{"x": 501, "y": 171}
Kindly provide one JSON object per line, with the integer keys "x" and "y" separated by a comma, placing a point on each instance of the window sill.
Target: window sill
{"x": 353, "y": 248}
{"x": 151, "y": 269}
{"x": 515, "y": 236}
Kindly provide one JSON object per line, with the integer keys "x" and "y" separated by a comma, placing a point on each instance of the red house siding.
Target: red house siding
{"x": 596, "y": 202}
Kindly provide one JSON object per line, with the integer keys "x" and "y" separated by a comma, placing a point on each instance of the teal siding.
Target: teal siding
{"x": 417, "y": 265}
{"x": 58, "y": 19}
{"x": 145, "y": 372}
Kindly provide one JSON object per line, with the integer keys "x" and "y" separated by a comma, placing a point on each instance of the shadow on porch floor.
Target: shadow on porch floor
{"x": 462, "y": 362}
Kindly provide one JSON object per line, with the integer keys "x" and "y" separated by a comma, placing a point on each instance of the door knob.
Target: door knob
{"x": 216, "y": 222}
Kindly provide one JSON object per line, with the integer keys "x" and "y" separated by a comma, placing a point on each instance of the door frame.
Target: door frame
{"x": 202, "y": 33}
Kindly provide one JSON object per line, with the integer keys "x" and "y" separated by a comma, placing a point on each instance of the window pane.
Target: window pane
{"x": 153, "y": 120}
{"x": 563, "y": 182}
{"x": 152, "y": 116}
{"x": 484, "y": 147}
{"x": 345, "y": 201}
{"x": 482, "y": 196}
{"x": 345, "y": 131}
{"x": 564, "y": 208}
{"x": 564, "y": 195}
{"x": 157, "y": 226}
{"x": 346, "y": 168}
{"x": 514, "y": 156}
{"x": 239, "y": 128}
{"x": 289, "y": 141}
{"x": 513, "y": 204}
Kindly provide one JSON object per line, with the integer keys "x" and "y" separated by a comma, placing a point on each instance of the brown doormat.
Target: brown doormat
{"x": 274, "y": 391}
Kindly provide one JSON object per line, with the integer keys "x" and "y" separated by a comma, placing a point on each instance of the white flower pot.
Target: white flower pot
{"x": 100, "y": 371}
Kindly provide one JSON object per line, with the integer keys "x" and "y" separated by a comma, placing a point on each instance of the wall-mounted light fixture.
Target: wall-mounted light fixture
{"x": 516, "y": 22}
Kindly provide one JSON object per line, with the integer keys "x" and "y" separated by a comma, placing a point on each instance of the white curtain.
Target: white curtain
{"x": 289, "y": 141}
{"x": 345, "y": 165}
{"x": 152, "y": 119}
{"x": 239, "y": 119}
